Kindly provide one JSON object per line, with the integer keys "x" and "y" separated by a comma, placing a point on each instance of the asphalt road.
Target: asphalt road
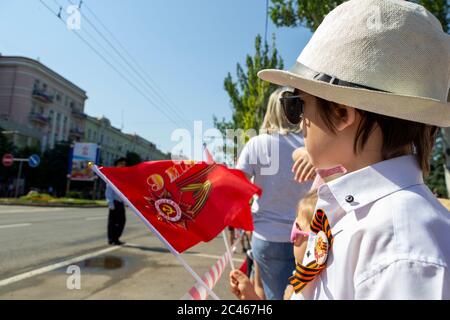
{"x": 39, "y": 244}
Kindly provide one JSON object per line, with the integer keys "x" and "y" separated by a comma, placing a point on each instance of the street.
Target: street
{"x": 39, "y": 244}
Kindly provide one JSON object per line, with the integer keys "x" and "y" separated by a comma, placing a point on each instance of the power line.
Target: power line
{"x": 153, "y": 91}
{"x": 126, "y": 52}
{"x": 108, "y": 63}
{"x": 137, "y": 71}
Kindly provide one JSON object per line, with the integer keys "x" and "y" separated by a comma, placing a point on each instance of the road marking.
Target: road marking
{"x": 15, "y": 225}
{"x": 96, "y": 218}
{"x": 55, "y": 266}
{"x": 30, "y": 210}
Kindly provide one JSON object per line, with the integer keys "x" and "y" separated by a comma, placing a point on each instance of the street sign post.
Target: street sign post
{"x": 8, "y": 160}
{"x": 33, "y": 162}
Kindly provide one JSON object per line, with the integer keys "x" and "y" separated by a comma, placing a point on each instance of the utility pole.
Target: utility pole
{"x": 21, "y": 161}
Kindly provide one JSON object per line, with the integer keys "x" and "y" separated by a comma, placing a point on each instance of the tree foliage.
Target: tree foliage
{"x": 6, "y": 173}
{"x": 310, "y": 13}
{"x": 249, "y": 94}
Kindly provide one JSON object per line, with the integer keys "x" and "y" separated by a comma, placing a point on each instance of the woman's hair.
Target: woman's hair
{"x": 275, "y": 120}
{"x": 307, "y": 206}
{"x": 397, "y": 134}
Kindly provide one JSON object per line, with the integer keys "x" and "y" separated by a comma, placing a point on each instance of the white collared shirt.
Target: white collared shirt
{"x": 391, "y": 236}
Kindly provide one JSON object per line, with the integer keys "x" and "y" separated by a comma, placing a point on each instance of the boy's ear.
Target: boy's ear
{"x": 346, "y": 116}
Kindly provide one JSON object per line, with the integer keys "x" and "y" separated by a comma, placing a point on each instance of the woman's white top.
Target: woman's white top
{"x": 268, "y": 158}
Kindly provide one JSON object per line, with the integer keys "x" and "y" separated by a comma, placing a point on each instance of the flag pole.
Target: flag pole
{"x": 155, "y": 231}
{"x": 227, "y": 246}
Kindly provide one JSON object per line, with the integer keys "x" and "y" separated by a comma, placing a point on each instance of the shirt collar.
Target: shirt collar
{"x": 359, "y": 188}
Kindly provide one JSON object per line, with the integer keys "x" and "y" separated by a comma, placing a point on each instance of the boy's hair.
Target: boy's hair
{"x": 307, "y": 206}
{"x": 397, "y": 133}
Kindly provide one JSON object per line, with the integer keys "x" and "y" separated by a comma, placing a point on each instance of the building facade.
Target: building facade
{"x": 115, "y": 144}
{"x": 39, "y": 107}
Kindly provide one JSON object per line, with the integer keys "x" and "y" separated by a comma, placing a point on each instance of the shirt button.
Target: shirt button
{"x": 349, "y": 199}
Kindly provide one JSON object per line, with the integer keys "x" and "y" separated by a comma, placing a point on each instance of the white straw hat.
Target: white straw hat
{"x": 384, "y": 56}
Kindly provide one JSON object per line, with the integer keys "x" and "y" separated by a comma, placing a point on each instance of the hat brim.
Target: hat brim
{"x": 412, "y": 108}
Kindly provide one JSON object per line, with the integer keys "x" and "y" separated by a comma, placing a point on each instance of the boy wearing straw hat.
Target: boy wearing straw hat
{"x": 373, "y": 84}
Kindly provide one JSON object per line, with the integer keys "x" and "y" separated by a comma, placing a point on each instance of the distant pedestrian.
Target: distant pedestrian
{"x": 116, "y": 218}
{"x": 10, "y": 190}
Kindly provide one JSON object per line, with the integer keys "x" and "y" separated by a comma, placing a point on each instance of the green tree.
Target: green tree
{"x": 6, "y": 173}
{"x": 54, "y": 168}
{"x": 249, "y": 94}
{"x": 310, "y": 14}
{"x": 6, "y": 146}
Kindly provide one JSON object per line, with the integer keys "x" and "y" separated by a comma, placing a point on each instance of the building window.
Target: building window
{"x": 58, "y": 119}
{"x": 64, "y": 128}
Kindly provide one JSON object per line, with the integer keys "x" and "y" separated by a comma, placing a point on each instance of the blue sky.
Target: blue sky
{"x": 187, "y": 48}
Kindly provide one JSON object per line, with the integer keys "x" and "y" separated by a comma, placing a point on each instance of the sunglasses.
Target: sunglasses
{"x": 296, "y": 232}
{"x": 292, "y": 105}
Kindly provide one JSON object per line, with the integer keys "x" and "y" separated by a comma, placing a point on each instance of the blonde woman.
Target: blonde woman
{"x": 267, "y": 159}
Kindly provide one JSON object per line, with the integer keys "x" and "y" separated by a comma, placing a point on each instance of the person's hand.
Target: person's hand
{"x": 302, "y": 168}
{"x": 241, "y": 286}
{"x": 288, "y": 292}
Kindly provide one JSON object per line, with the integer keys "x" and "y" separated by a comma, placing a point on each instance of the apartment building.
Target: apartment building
{"x": 39, "y": 107}
{"x": 115, "y": 144}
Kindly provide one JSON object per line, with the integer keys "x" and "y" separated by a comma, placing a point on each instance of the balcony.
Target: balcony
{"x": 42, "y": 96}
{"x": 38, "y": 118}
{"x": 76, "y": 132}
{"x": 78, "y": 114}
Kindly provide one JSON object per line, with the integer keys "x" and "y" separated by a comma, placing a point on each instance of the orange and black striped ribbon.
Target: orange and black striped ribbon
{"x": 305, "y": 274}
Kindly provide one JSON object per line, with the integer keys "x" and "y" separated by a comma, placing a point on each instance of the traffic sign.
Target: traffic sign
{"x": 34, "y": 161}
{"x": 8, "y": 160}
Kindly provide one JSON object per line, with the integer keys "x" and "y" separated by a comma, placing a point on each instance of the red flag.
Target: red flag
{"x": 187, "y": 202}
{"x": 244, "y": 267}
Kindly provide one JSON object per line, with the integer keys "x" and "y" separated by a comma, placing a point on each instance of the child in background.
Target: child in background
{"x": 241, "y": 285}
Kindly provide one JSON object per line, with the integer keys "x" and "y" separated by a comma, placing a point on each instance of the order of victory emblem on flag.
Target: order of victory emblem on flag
{"x": 192, "y": 197}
